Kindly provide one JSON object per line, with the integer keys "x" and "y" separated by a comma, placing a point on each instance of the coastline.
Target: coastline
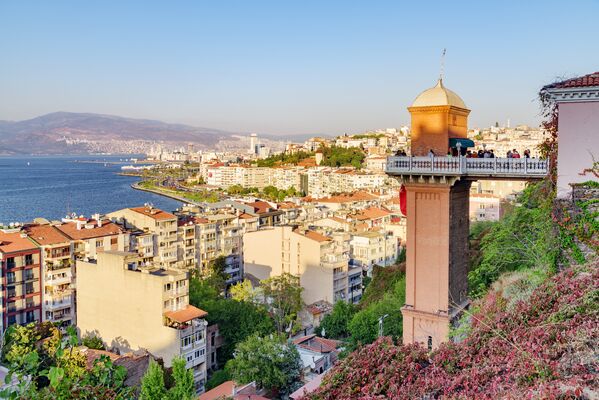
{"x": 135, "y": 185}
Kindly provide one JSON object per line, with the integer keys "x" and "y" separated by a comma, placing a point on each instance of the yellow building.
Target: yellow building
{"x": 320, "y": 261}
{"x": 132, "y": 307}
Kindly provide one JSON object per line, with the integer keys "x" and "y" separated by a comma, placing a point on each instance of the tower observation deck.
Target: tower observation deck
{"x": 436, "y": 199}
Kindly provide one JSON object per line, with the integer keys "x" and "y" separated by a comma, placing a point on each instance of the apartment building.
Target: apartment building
{"x": 220, "y": 234}
{"x": 20, "y": 262}
{"x": 373, "y": 248}
{"x": 58, "y": 273}
{"x": 286, "y": 177}
{"x": 321, "y": 262}
{"x": 186, "y": 251}
{"x": 132, "y": 306}
{"x": 160, "y": 226}
{"x": 485, "y": 207}
{"x": 89, "y": 237}
{"x": 246, "y": 176}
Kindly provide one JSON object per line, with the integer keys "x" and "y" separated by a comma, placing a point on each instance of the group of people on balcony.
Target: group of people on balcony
{"x": 453, "y": 152}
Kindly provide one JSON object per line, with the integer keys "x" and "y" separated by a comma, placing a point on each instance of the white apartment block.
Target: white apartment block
{"x": 485, "y": 207}
{"x": 373, "y": 248}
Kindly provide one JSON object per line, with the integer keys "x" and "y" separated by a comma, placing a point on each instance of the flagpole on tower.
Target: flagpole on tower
{"x": 442, "y": 65}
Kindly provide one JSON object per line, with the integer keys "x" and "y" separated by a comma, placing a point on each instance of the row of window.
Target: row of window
{"x": 194, "y": 337}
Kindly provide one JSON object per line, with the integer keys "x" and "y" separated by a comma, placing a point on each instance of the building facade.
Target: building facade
{"x": 131, "y": 306}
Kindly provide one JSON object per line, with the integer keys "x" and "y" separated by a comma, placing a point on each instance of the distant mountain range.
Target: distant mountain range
{"x": 49, "y": 134}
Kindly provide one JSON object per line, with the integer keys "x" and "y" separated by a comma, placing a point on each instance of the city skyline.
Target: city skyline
{"x": 281, "y": 68}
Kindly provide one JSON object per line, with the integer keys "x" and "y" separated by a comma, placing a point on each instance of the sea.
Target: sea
{"x": 54, "y": 186}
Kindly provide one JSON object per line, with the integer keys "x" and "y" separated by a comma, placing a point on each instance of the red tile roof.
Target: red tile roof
{"x": 12, "y": 242}
{"x": 583, "y": 81}
{"x": 225, "y": 391}
{"x": 348, "y": 198}
{"x": 317, "y": 344}
{"x": 313, "y": 235}
{"x": 154, "y": 213}
{"x": 260, "y": 206}
{"x": 372, "y": 213}
{"x": 108, "y": 228}
{"x": 185, "y": 315}
{"x": 46, "y": 235}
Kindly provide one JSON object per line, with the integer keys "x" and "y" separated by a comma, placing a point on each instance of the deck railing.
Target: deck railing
{"x": 467, "y": 166}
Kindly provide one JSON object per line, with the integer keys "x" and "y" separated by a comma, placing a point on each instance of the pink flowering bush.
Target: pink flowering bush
{"x": 541, "y": 347}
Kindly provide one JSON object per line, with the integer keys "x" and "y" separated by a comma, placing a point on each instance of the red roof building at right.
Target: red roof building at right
{"x": 578, "y": 130}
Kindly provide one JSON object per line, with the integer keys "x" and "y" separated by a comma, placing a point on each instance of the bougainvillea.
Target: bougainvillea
{"x": 541, "y": 347}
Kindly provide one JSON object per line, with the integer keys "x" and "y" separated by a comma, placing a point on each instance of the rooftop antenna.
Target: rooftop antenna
{"x": 442, "y": 65}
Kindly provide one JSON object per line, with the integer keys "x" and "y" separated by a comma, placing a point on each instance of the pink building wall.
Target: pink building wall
{"x": 578, "y": 143}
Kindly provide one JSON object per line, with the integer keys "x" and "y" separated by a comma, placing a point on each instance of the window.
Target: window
{"x": 12, "y": 292}
{"x": 10, "y": 262}
{"x": 212, "y": 338}
{"x": 12, "y": 319}
{"x": 28, "y": 274}
{"x": 10, "y": 277}
{"x": 98, "y": 243}
{"x": 212, "y": 357}
{"x": 28, "y": 259}
{"x": 430, "y": 343}
{"x": 29, "y": 288}
{"x": 114, "y": 241}
{"x": 167, "y": 287}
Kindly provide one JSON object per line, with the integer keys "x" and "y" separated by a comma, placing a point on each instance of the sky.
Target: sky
{"x": 288, "y": 67}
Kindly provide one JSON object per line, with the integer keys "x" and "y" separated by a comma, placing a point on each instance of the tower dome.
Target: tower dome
{"x": 438, "y": 95}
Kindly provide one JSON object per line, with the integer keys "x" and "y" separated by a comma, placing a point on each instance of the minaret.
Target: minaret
{"x": 438, "y": 225}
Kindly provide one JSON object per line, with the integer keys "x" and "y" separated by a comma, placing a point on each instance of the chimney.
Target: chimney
{"x": 79, "y": 224}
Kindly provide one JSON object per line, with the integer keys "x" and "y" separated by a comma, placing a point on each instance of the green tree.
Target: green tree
{"x": 93, "y": 342}
{"x": 217, "y": 378}
{"x": 336, "y": 324}
{"x": 523, "y": 239}
{"x": 152, "y": 383}
{"x": 215, "y": 275}
{"x": 268, "y": 361}
{"x": 283, "y": 298}
{"x": 363, "y": 326}
{"x": 244, "y": 291}
{"x": 184, "y": 387}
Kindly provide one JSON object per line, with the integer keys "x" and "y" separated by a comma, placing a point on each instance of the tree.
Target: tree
{"x": 236, "y": 319}
{"x": 363, "y": 327}
{"x": 152, "y": 384}
{"x": 184, "y": 386}
{"x": 215, "y": 274}
{"x": 93, "y": 342}
{"x": 283, "y": 297}
{"x": 244, "y": 291}
{"x": 217, "y": 378}
{"x": 268, "y": 361}
{"x": 335, "y": 325}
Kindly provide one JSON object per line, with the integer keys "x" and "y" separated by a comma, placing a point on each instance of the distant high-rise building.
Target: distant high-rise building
{"x": 253, "y": 143}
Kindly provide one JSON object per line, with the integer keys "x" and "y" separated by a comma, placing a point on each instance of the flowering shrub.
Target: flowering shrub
{"x": 544, "y": 346}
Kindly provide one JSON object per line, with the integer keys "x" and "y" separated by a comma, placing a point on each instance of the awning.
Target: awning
{"x": 185, "y": 315}
{"x": 453, "y": 142}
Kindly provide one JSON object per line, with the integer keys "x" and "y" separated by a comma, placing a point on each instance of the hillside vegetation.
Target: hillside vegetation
{"x": 532, "y": 332}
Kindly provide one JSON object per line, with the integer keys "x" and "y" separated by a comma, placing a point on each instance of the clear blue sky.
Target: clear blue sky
{"x": 286, "y": 67}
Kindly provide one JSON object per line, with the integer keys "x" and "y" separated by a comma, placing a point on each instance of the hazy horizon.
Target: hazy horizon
{"x": 286, "y": 68}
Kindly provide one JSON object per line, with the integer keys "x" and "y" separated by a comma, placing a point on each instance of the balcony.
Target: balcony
{"x": 58, "y": 265}
{"x": 523, "y": 168}
{"x": 52, "y": 305}
{"x": 55, "y": 280}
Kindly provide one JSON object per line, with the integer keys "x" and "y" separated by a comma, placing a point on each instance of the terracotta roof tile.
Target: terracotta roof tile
{"x": 582, "y": 81}
{"x": 12, "y": 242}
{"x": 313, "y": 235}
{"x": 154, "y": 213}
{"x": 108, "y": 228}
{"x": 46, "y": 235}
{"x": 185, "y": 315}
